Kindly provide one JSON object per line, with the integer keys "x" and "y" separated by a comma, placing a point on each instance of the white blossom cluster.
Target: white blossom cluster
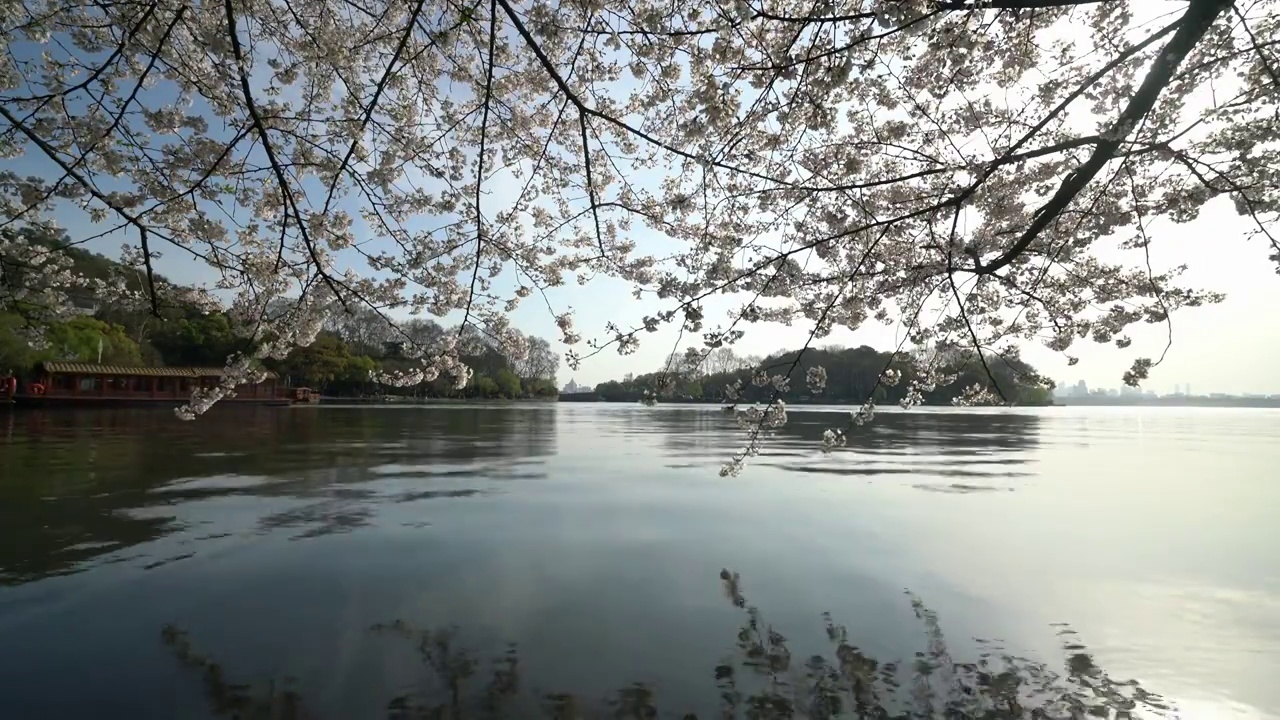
{"x": 755, "y": 420}
{"x": 964, "y": 169}
{"x": 975, "y": 395}
{"x": 816, "y": 379}
{"x": 832, "y": 439}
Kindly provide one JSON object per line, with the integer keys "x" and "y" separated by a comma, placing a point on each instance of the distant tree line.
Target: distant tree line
{"x": 853, "y": 377}
{"x": 343, "y": 360}
{"x": 354, "y": 345}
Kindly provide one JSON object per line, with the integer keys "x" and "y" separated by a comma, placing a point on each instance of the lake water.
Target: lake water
{"x": 149, "y": 567}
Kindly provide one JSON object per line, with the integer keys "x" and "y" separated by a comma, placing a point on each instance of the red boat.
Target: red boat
{"x": 84, "y": 384}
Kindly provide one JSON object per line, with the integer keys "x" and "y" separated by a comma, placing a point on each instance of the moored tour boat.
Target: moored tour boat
{"x": 85, "y": 384}
{"x": 304, "y": 396}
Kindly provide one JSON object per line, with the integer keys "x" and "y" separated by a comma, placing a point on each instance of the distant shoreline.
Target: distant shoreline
{"x": 594, "y": 398}
{"x": 1272, "y": 402}
{"x": 407, "y": 400}
{"x": 1058, "y": 402}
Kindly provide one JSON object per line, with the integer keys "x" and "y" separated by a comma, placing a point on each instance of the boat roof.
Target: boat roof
{"x": 96, "y": 369}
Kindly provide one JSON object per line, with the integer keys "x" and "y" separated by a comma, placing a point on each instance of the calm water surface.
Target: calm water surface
{"x": 271, "y": 541}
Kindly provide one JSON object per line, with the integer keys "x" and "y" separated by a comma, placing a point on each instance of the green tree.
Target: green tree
{"x": 508, "y": 383}
{"x": 323, "y": 361}
{"x": 197, "y": 339}
{"x": 1035, "y": 395}
{"x": 484, "y": 386}
{"x": 852, "y": 377}
{"x": 612, "y": 390}
{"x": 358, "y": 368}
{"x": 540, "y": 387}
{"x": 355, "y": 378}
{"x": 15, "y": 353}
{"x": 79, "y": 339}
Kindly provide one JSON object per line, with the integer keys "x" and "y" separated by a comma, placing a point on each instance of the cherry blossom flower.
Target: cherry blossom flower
{"x": 816, "y": 379}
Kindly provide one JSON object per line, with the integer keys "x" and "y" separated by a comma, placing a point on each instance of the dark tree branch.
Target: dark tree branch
{"x": 1194, "y": 24}
{"x": 973, "y": 336}
{"x": 555, "y": 76}
{"x": 151, "y": 274}
{"x": 119, "y": 115}
{"x": 484, "y": 127}
{"x": 805, "y": 19}
{"x": 115, "y": 55}
{"x": 71, "y": 172}
{"x": 1011, "y": 155}
{"x": 373, "y": 103}
{"x": 1253, "y": 41}
{"x": 1013, "y": 4}
{"x": 260, "y": 128}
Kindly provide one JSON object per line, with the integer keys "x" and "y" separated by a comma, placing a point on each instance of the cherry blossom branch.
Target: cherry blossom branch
{"x": 84, "y": 182}
{"x": 484, "y": 126}
{"x": 369, "y": 108}
{"x": 1014, "y": 4}
{"x": 261, "y": 129}
{"x": 93, "y": 77}
{"x": 546, "y": 63}
{"x": 1192, "y": 27}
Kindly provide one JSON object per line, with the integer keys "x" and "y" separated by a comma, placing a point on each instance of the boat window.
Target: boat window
{"x": 165, "y": 384}
{"x": 90, "y": 384}
{"x": 64, "y": 382}
{"x": 114, "y": 384}
{"x": 140, "y": 384}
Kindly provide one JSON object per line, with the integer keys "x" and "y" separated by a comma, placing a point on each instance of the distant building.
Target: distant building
{"x": 572, "y": 388}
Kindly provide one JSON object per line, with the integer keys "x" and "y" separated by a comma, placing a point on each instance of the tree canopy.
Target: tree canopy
{"x": 983, "y": 172}
{"x": 849, "y": 376}
{"x": 81, "y": 339}
{"x": 345, "y": 358}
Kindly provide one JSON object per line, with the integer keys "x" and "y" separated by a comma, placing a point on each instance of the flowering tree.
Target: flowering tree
{"x": 982, "y": 171}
